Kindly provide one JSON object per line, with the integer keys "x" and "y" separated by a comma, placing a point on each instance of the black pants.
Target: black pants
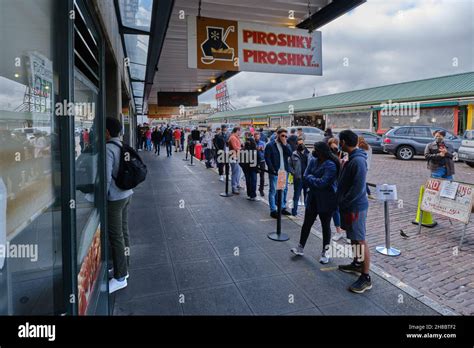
{"x": 261, "y": 166}
{"x": 157, "y": 147}
{"x": 310, "y": 216}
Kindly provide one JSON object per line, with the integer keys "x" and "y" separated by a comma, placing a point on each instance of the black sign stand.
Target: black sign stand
{"x": 278, "y": 236}
{"x": 226, "y": 193}
{"x": 187, "y": 150}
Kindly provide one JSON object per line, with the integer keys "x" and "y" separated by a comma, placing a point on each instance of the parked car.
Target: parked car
{"x": 373, "y": 139}
{"x": 466, "y": 150}
{"x": 407, "y": 141}
{"x": 312, "y": 134}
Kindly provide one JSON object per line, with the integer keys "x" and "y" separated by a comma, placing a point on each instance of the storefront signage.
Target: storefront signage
{"x": 240, "y": 46}
{"x": 437, "y": 199}
{"x": 89, "y": 272}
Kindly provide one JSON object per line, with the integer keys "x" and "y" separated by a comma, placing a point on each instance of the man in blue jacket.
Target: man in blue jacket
{"x": 276, "y": 156}
{"x": 353, "y": 206}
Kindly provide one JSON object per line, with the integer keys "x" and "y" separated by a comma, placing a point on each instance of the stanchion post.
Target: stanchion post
{"x": 226, "y": 165}
{"x": 278, "y": 236}
{"x": 387, "y": 249}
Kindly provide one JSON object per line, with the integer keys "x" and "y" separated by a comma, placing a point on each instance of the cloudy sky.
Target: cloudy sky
{"x": 384, "y": 41}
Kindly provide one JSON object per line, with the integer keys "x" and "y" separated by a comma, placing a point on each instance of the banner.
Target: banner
{"x": 448, "y": 198}
{"x": 220, "y": 44}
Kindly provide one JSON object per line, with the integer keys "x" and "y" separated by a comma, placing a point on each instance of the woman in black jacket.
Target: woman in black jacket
{"x": 321, "y": 178}
{"x": 249, "y": 166}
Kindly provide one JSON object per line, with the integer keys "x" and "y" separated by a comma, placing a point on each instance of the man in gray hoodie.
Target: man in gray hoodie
{"x": 118, "y": 202}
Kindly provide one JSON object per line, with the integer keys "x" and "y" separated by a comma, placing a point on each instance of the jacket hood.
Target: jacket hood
{"x": 358, "y": 153}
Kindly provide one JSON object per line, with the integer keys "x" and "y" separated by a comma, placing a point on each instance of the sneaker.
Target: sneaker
{"x": 298, "y": 250}
{"x": 115, "y": 285}
{"x": 361, "y": 285}
{"x": 285, "y": 212}
{"x": 351, "y": 268}
{"x": 337, "y": 236}
{"x": 254, "y": 199}
{"x": 274, "y": 214}
{"x": 324, "y": 259}
{"x": 236, "y": 192}
{"x": 371, "y": 197}
{"x": 221, "y": 178}
{"x": 111, "y": 274}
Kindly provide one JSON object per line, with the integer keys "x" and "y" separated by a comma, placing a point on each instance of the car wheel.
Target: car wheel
{"x": 470, "y": 164}
{"x": 405, "y": 153}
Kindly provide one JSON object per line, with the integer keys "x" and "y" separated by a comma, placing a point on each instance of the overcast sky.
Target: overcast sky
{"x": 384, "y": 41}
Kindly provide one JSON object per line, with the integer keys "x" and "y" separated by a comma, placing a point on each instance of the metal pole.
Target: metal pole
{"x": 226, "y": 165}
{"x": 420, "y": 222}
{"x": 278, "y": 236}
{"x": 387, "y": 249}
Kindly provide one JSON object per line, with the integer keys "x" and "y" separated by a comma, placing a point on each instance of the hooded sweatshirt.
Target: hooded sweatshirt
{"x": 351, "y": 190}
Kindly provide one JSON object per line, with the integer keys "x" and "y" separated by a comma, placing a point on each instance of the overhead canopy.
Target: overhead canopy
{"x": 173, "y": 74}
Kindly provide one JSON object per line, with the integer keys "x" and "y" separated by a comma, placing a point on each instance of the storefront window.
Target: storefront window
{"x": 29, "y": 166}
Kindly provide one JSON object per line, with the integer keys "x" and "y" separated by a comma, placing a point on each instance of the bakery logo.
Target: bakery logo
{"x": 215, "y": 46}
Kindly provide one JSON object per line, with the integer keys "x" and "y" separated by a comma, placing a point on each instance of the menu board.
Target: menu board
{"x": 439, "y": 198}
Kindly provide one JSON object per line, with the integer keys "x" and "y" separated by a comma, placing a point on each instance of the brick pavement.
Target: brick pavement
{"x": 430, "y": 262}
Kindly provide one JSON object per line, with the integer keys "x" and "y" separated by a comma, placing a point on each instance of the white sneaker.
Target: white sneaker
{"x": 324, "y": 257}
{"x": 298, "y": 250}
{"x": 115, "y": 285}
{"x": 337, "y": 236}
{"x": 221, "y": 178}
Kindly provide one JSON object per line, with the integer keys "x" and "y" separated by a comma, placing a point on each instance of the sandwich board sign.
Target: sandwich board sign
{"x": 448, "y": 198}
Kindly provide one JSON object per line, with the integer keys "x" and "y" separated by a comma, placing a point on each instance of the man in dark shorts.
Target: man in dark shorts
{"x": 353, "y": 206}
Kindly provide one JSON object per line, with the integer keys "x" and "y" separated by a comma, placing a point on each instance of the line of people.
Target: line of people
{"x": 331, "y": 178}
{"x": 150, "y": 139}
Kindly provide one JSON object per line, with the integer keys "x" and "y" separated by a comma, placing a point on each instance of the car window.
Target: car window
{"x": 369, "y": 136}
{"x": 402, "y": 131}
{"x": 469, "y": 135}
{"x": 422, "y": 132}
{"x": 308, "y": 130}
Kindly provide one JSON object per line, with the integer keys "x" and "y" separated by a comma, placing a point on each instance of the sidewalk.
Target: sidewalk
{"x": 196, "y": 253}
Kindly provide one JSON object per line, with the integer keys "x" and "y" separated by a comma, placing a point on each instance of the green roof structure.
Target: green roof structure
{"x": 444, "y": 87}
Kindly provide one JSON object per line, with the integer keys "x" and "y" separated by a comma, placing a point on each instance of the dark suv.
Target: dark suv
{"x": 407, "y": 141}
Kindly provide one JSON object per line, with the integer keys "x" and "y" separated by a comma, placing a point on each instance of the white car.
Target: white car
{"x": 466, "y": 150}
{"x": 312, "y": 134}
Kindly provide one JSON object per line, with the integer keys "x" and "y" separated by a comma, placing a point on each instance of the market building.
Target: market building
{"x": 446, "y": 101}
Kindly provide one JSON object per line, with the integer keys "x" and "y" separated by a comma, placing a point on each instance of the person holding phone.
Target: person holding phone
{"x": 440, "y": 157}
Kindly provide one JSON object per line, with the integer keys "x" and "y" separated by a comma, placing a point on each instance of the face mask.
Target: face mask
{"x": 315, "y": 154}
{"x": 300, "y": 147}
{"x": 439, "y": 140}
{"x": 335, "y": 150}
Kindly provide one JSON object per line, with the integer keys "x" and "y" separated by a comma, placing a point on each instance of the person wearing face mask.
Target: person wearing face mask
{"x": 440, "y": 157}
{"x": 334, "y": 146}
{"x": 321, "y": 178}
{"x": 297, "y": 165}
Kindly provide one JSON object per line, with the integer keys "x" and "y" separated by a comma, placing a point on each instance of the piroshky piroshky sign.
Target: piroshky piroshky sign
{"x": 220, "y": 44}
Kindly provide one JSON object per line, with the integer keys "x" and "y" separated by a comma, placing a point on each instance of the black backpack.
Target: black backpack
{"x": 132, "y": 171}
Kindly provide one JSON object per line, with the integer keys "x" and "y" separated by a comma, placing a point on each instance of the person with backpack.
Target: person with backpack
{"x": 118, "y": 203}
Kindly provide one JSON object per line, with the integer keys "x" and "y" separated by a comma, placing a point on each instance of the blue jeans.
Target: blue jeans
{"x": 298, "y": 187}
{"x": 337, "y": 218}
{"x": 148, "y": 144}
{"x": 169, "y": 148}
{"x": 440, "y": 173}
{"x": 236, "y": 172}
{"x": 251, "y": 182}
{"x": 273, "y": 179}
